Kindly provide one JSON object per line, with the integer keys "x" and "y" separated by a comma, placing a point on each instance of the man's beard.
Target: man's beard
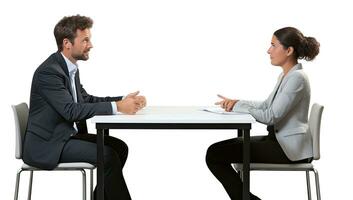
{"x": 81, "y": 56}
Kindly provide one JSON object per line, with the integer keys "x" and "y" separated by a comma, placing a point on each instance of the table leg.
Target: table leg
{"x": 106, "y": 132}
{"x": 240, "y": 133}
{"x": 246, "y": 164}
{"x": 100, "y": 164}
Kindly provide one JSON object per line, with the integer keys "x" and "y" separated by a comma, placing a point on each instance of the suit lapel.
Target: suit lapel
{"x": 275, "y": 91}
{"x": 62, "y": 62}
{"x": 78, "y": 87}
{"x": 282, "y": 80}
{"x": 60, "y": 59}
{"x": 81, "y": 125}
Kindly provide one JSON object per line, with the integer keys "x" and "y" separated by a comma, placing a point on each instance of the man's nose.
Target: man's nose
{"x": 90, "y": 45}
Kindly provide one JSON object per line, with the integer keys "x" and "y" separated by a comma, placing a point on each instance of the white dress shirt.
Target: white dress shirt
{"x": 72, "y": 68}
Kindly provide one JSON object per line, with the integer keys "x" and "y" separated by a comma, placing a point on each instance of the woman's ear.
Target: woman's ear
{"x": 290, "y": 51}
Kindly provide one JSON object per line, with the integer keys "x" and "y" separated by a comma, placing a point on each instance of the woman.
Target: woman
{"x": 285, "y": 112}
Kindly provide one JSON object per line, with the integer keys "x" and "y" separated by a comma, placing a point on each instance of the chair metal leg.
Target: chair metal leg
{"x": 30, "y": 185}
{"x": 18, "y": 176}
{"x": 317, "y": 182}
{"x": 91, "y": 187}
{"x": 318, "y": 194}
{"x": 308, "y": 184}
{"x": 83, "y": 184}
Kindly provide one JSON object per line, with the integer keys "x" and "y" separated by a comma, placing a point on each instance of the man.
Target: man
{"x": 59, "y": 106}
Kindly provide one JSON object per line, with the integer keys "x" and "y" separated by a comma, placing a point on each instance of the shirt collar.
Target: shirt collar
{"x": 71, "y": 67}
{"x": 298, "y": 66}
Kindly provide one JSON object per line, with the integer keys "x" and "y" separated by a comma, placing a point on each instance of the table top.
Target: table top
{"x": 175, "y": 114}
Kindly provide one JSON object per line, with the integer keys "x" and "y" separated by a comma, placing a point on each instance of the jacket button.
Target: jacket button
{"x": 276, "y": 131}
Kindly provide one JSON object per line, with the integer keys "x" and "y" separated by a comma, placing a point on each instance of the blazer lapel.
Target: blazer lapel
{"x": 60, "y": 59}
{"x": 283, "y": 80}
{"x": 275, "y": 91}
{"x": 81, "y": 125}
{"x": 62, "y": 62}
{"x": 78, "y": 87}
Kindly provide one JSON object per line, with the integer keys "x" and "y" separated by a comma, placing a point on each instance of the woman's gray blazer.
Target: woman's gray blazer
{"x": 286, "y": 109}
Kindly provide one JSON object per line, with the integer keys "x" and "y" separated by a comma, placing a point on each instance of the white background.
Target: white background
{"x": 183, "y": 53}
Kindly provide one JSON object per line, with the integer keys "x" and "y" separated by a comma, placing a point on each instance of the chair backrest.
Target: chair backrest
{"x": 314, "y": 125}
{"x": 20, "y": 112}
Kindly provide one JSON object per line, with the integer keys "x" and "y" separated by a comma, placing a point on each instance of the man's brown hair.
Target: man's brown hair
{"x": 67, "y": 27}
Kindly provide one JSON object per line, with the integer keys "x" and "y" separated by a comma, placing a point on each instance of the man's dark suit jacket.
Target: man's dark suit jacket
{"x": 53, "y": 112}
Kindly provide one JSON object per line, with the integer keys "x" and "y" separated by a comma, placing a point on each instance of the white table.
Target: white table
{"x": 173, "y": 117}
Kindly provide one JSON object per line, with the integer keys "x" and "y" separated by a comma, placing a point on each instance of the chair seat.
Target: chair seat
{"x": 276, "y": 167}
{"x": 64, "y": 166}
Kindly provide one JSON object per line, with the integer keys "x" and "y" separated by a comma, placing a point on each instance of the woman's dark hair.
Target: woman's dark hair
{"x": 67, "y": 27}
{"x": 304, "y": 47}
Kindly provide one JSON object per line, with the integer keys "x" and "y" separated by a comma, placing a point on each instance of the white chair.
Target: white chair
{"x": 314, "y": 125}
{"x": 21, "y": 115}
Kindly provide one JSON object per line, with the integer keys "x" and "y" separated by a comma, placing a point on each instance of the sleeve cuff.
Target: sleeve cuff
{"x": 114, "y": 108}
{"x": 240, "y": 107}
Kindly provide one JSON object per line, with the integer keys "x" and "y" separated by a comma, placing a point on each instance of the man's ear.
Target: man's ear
{"x": 290, "y": 51}
{"x": 67, "y": 44}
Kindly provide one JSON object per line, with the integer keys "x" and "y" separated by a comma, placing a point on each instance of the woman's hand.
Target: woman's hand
{"x": 226, "y": 103}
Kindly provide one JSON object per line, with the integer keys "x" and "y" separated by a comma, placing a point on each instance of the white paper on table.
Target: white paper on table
{"x": 219, "y": 110}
